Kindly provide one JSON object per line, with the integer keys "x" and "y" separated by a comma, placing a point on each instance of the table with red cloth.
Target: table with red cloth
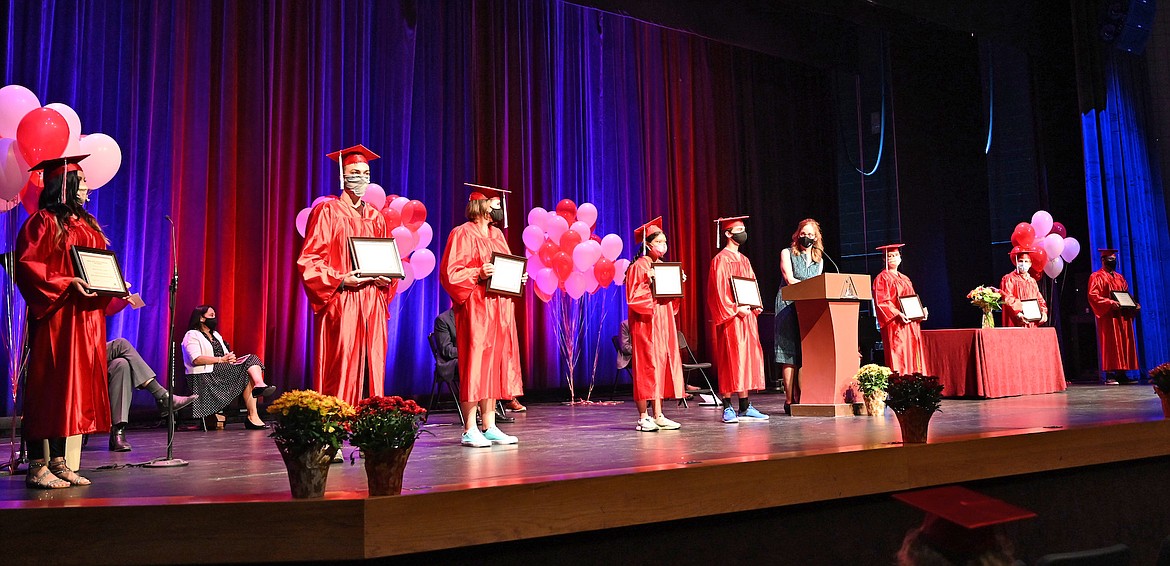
{"x": 995, "y": 362}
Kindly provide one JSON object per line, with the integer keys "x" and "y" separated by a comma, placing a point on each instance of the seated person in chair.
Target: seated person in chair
{"x": 447, "y": 357}
{"x": 217, "y": 374}
{"x": 127, "y": 372}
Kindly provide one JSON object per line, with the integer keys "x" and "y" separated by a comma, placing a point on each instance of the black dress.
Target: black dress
{"x": 224, "y": 383}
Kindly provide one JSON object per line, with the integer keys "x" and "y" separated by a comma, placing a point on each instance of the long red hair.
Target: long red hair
{"x": 816, "y": 247}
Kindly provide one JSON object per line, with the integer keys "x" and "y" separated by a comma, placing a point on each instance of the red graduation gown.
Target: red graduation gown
{"x": 351, "y": 323}
{"x": 902, "y": 341}
{"x": 485, "y": 324}
{"x": 656, "y": 363}
{"x": 739, "y": 357}
{"x": 1017, "y": 287}
{"x": 67, "y": 391}
{"x": 1115, "y": 338}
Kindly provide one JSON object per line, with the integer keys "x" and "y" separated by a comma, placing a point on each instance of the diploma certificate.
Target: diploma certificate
{"x": 1124, "y": 299}
{"x": 100, "y": 270}
{"x": 911, "y": 306}
{"x": 376, "y": 257}
{"x": 667, "y": 279}
{"x": 508, "y": 277}
{"x": 1031, "y": 310}
{"x": 746, "y": 292}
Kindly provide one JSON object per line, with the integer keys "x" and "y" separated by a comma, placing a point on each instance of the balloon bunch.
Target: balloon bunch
{"x": 406, "y": 220}
{"x": 30, "y": 134}
{"x": 564, "y": 252}
{"x": 1051, "y": 242}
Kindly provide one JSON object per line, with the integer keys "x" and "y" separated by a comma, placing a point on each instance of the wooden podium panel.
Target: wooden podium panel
{"x": 828, "y": 307}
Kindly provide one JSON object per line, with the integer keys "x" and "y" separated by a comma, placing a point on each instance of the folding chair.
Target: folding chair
{"x": 617, "y": 347}
{"x": 692, "y": 367}
{"x": 439, "y": 380}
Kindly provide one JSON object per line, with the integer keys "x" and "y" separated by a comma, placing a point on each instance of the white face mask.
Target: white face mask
{"x": 1023, "y": 265}
{"x": 894, "y": 262}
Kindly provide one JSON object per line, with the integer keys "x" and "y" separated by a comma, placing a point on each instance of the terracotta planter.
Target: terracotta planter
{"x": 1165, "y": 397}
{"x": 384, "y": 469}
{"x": 988, "y": 319}
{"x": 308, "y": 469}
{"x": 875, "y": 403}
{"x": 914, "y": 423}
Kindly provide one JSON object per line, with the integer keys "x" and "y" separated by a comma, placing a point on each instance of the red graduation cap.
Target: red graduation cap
{"x": 960, "y": 521}
{"x": 484, "y": 192}
{"x": 641, "y": 233}
{"x": 1106, "y": 252}
{"x": 726, "y": 225}
{"x": 1021, "y": 250}
{"x": 350, "y": 155}
{"x": 889, "y": 247}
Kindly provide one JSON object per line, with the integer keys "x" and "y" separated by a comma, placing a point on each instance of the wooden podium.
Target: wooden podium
{"x": 828, "y": 307}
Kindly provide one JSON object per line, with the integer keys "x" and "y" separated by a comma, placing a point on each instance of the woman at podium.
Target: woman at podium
{"x": 893, "y": 293}
{"x": 800, "y": 261}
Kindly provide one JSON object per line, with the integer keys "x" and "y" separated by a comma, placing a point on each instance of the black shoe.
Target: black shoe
{"x": 118, "y": 438}
{"x": 504, "y": 419}
{"x": 181, "y": 401}
{"x": 266, "y": 391}
{"x": 263, "y": 425}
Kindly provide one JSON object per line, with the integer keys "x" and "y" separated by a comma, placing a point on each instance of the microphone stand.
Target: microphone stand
{"x": 826, "y": 256}
{"x": 170, "y": 461}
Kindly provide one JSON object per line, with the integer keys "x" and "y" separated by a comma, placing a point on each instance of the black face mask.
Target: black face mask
{"x": 740, "y": 237}
{"x": 806, "y": 242}
{"x": 211, "y": 323}
{"x": 1109, "y": 263}
{"x": 497, "y": 214}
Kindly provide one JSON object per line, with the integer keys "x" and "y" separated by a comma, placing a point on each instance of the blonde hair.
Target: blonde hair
{"x": 817, "y": 245}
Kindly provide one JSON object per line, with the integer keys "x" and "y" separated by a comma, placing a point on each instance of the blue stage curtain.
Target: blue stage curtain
{"x": 1126, "y": 202}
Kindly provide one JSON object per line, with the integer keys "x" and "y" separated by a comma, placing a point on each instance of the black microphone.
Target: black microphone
{"x": 826, "y": 256}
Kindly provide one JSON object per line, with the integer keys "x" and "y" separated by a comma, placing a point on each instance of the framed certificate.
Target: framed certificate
{"x": 508, "y": 278}
{"x": 1124, "y": 299}
{"x": 746, "y": 292}
{"x": 1030, "y": 308}
{"x": 100, "y": 270}
{"x": 911, "y": 306}
{"x": 376, "y": 257}
{"x": 667, "y": 280}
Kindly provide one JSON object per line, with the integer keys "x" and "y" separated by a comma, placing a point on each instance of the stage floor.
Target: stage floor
{"x": 564, "y": 441}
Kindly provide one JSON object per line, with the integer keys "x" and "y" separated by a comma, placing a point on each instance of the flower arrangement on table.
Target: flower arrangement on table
{"x": 914, "y": 391}
{"x": 988, "y": 299}
{"x": 382, "y": 423}
{"x": 307, "y": 419}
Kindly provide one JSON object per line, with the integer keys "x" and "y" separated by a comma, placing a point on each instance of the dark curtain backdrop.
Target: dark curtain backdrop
{"x": 224, "y": 112}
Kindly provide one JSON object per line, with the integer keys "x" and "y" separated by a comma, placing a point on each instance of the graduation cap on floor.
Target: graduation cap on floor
{"x": 484, "y": 192}
{"x": 726, "y": 225}
{"x": 961, "y": 523}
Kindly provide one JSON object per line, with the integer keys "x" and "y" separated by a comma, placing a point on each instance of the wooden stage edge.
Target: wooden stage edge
{"x": 348, "y": 525}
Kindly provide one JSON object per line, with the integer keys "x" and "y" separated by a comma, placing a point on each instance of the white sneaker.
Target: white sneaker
{"x": 497, "y": 436}
{"x": 475, "y": 439}
{"x": 665, "y": 423}
{"x": 646, "y": 424}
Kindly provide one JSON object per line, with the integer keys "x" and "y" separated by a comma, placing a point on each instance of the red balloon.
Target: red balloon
{"x": 567, "y": 209}
{"x": 414, "y": 213}
{"x": 1039, "y": 259}
{"x": 604, "y": 271}
{"x": 563, "y": 265}
{"x": 42, "y": 134}
{"x": 1059, "y": 230}
{"x": 569, "y": 240}
{"x": 594, "y": 236}
{"x": 548, "y": 250}
{"x": 30, "y": 195}
{"x": 1023, "y": 235}
{"x": 393, "y": 218}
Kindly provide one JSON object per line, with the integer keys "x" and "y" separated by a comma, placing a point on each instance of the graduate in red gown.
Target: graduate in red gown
{"x": 66, "y": 392}
{"x": 739, "y": 358}
{"x": 1019, "y": 286}
{"x": 1115, "y": 338}
{"x": 901, "y": 335}
{"x": 656, "y": 363}
{"x": 485, "y": 323}
{"x": 351, "y": 310}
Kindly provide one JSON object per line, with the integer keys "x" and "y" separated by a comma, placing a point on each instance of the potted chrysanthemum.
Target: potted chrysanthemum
{"x": 309, "y": 430}
{"x": 914, "y": 398}
{"x": 384, "y": 429}
{"x": 872, "y": 380}
{"x": 1160, "y": 379}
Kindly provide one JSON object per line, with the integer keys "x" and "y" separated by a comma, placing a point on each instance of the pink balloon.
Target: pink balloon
{"x": 405, "y": 239}
{"x": 1054, "y": 266}
{"x": 538, "y": 217}
{"x": 557, "y": 228}
{"x": 12, "y": 175}
{"x": 320, "y": 200}
{"x": 1054, "y": 245}
{"x": 576, "y": 284}
{"x": 546, "y": 280}
{"x": 619, "y": 268}
{"x": 74, "y": 121}
{"x": 1042, "y": 223}
{"x": 105, "y": 157}
{"x": 533, "y": 237}
{"x": 398, "y": 203}
{"x": 534, "y": 263}
{"x": 587, "y": 213}
{"x": 1072, "y": 247}
{"x": 585, "y": 255}
{"x": 544, "y": 297}
{"x": 408, "y": 280}
{"x": 375, "y": 195}
{"x": 6, "y": 205}
{"x": 15, "y": 102}
{"x": 303, "y": 220}
{"x": 424, "y": 263}
{"x": 425, "y": 234}
{"x": 611, "y": 246}
{"x": 591, "y": 283}
{"x": 581, "y": 229}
